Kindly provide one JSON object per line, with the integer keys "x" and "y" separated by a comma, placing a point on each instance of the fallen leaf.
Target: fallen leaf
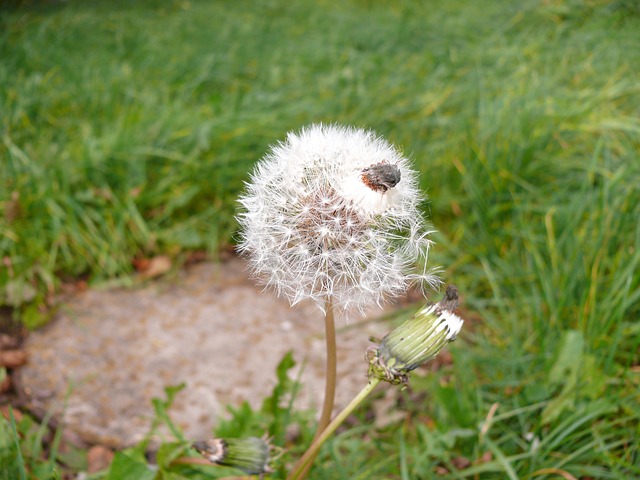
{"x": 98, "y": 458}
{"x": 461, "y": 463}
{"x": 17, "y": 414}
{"x": 13, "y": 208}
{"x": 8, "y": 341}
{"x": 12, "y": 358}
{"x": 198, "y": 256}
{"x": 5, "y": 384}
{"x": 141, "y": 264}
{"x": 486, "y": 457}
{"x": 154, "y": 267}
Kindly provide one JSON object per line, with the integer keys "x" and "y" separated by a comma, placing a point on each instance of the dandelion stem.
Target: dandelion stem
{"x": 307, "y": 459}
{"x": 330, "y": 374}
{"x": 330, "y": 377}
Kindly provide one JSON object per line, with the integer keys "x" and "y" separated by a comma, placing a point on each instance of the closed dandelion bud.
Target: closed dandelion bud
{"x": 334, "y": 211}
{"x": 251, "y": 454}
{"x": 416, "y": 341}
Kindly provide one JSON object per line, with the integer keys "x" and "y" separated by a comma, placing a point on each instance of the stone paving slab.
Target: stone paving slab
{"x": 108, "y": 353}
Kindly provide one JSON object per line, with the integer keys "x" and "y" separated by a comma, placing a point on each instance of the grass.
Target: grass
{"x": 129, "y": 135}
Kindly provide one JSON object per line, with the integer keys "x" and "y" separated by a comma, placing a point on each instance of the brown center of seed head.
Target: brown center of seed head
{"x": 380, "y": 177}
{"x": 328, "y": 224}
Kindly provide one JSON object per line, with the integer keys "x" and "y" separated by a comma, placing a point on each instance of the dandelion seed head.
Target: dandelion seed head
{"x": 334, "y": 211}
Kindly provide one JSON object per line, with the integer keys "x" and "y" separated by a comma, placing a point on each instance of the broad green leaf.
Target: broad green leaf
{"x": 161, "y": 408}
{"x": 576, "y": 373}
{"x": 130, "y": 465}
{"x": 569, "y": 357}
{"x": 168, "y": 452}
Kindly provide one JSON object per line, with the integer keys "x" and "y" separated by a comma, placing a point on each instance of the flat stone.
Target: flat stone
{"x": 98, "y": 365}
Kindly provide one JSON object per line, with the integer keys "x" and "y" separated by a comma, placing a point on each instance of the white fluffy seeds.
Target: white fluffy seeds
{"x": 314, "y": 226}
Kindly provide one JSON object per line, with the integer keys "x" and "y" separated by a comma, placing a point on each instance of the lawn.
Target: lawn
{"x": 128, "y": 128}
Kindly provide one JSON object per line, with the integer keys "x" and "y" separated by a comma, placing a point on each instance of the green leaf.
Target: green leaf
{"x": 35, "y": 315}
{"x": 12, "y": 464}
{"x": 456, "y": 405}
{"x": 130, "y": 465}
{"x": 502, "y": 460}
{"x": 186, "y": 237}
{"x": 244, "y": 420}
{"x": 161, "y": 408}
{"x": 578, "y": 373}
{"x": 564, "y": 372}
{"x": 569, "y": 357}
{"x": 273, "y": 405}
{"x": 171, "y": 393}
{"x": 73, "y": 457}
{"x": 273, "y": 416}
{"x": 168, "y": 452}
{"x": 19, "y": 291}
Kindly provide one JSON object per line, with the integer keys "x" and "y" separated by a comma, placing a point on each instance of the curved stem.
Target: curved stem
{"x": 305, "y": 462}
{"x": 330, "y": 374}
{"x": 330, "y": 378}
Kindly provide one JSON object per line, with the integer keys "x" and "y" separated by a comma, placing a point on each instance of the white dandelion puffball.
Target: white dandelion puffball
{"x": 333, "y": 212}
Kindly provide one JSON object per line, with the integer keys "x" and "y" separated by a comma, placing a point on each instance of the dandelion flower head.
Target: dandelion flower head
{"x": 333, "y": 211}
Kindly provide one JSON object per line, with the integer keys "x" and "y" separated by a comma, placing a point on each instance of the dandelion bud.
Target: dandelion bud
{"x": 334, "y": 212}
{"x": 416, "y": 341}
{"x": 251, "y": 455}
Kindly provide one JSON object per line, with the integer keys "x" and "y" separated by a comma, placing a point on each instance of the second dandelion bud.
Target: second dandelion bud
{"x": 416, "y": 341}
{"x": 334, "y": 211}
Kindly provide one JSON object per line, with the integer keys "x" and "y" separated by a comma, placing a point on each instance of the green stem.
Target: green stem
{"x": 330, "y": 374}
{"x": 330, "y": 377}
{"x": 313, "y": 450}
